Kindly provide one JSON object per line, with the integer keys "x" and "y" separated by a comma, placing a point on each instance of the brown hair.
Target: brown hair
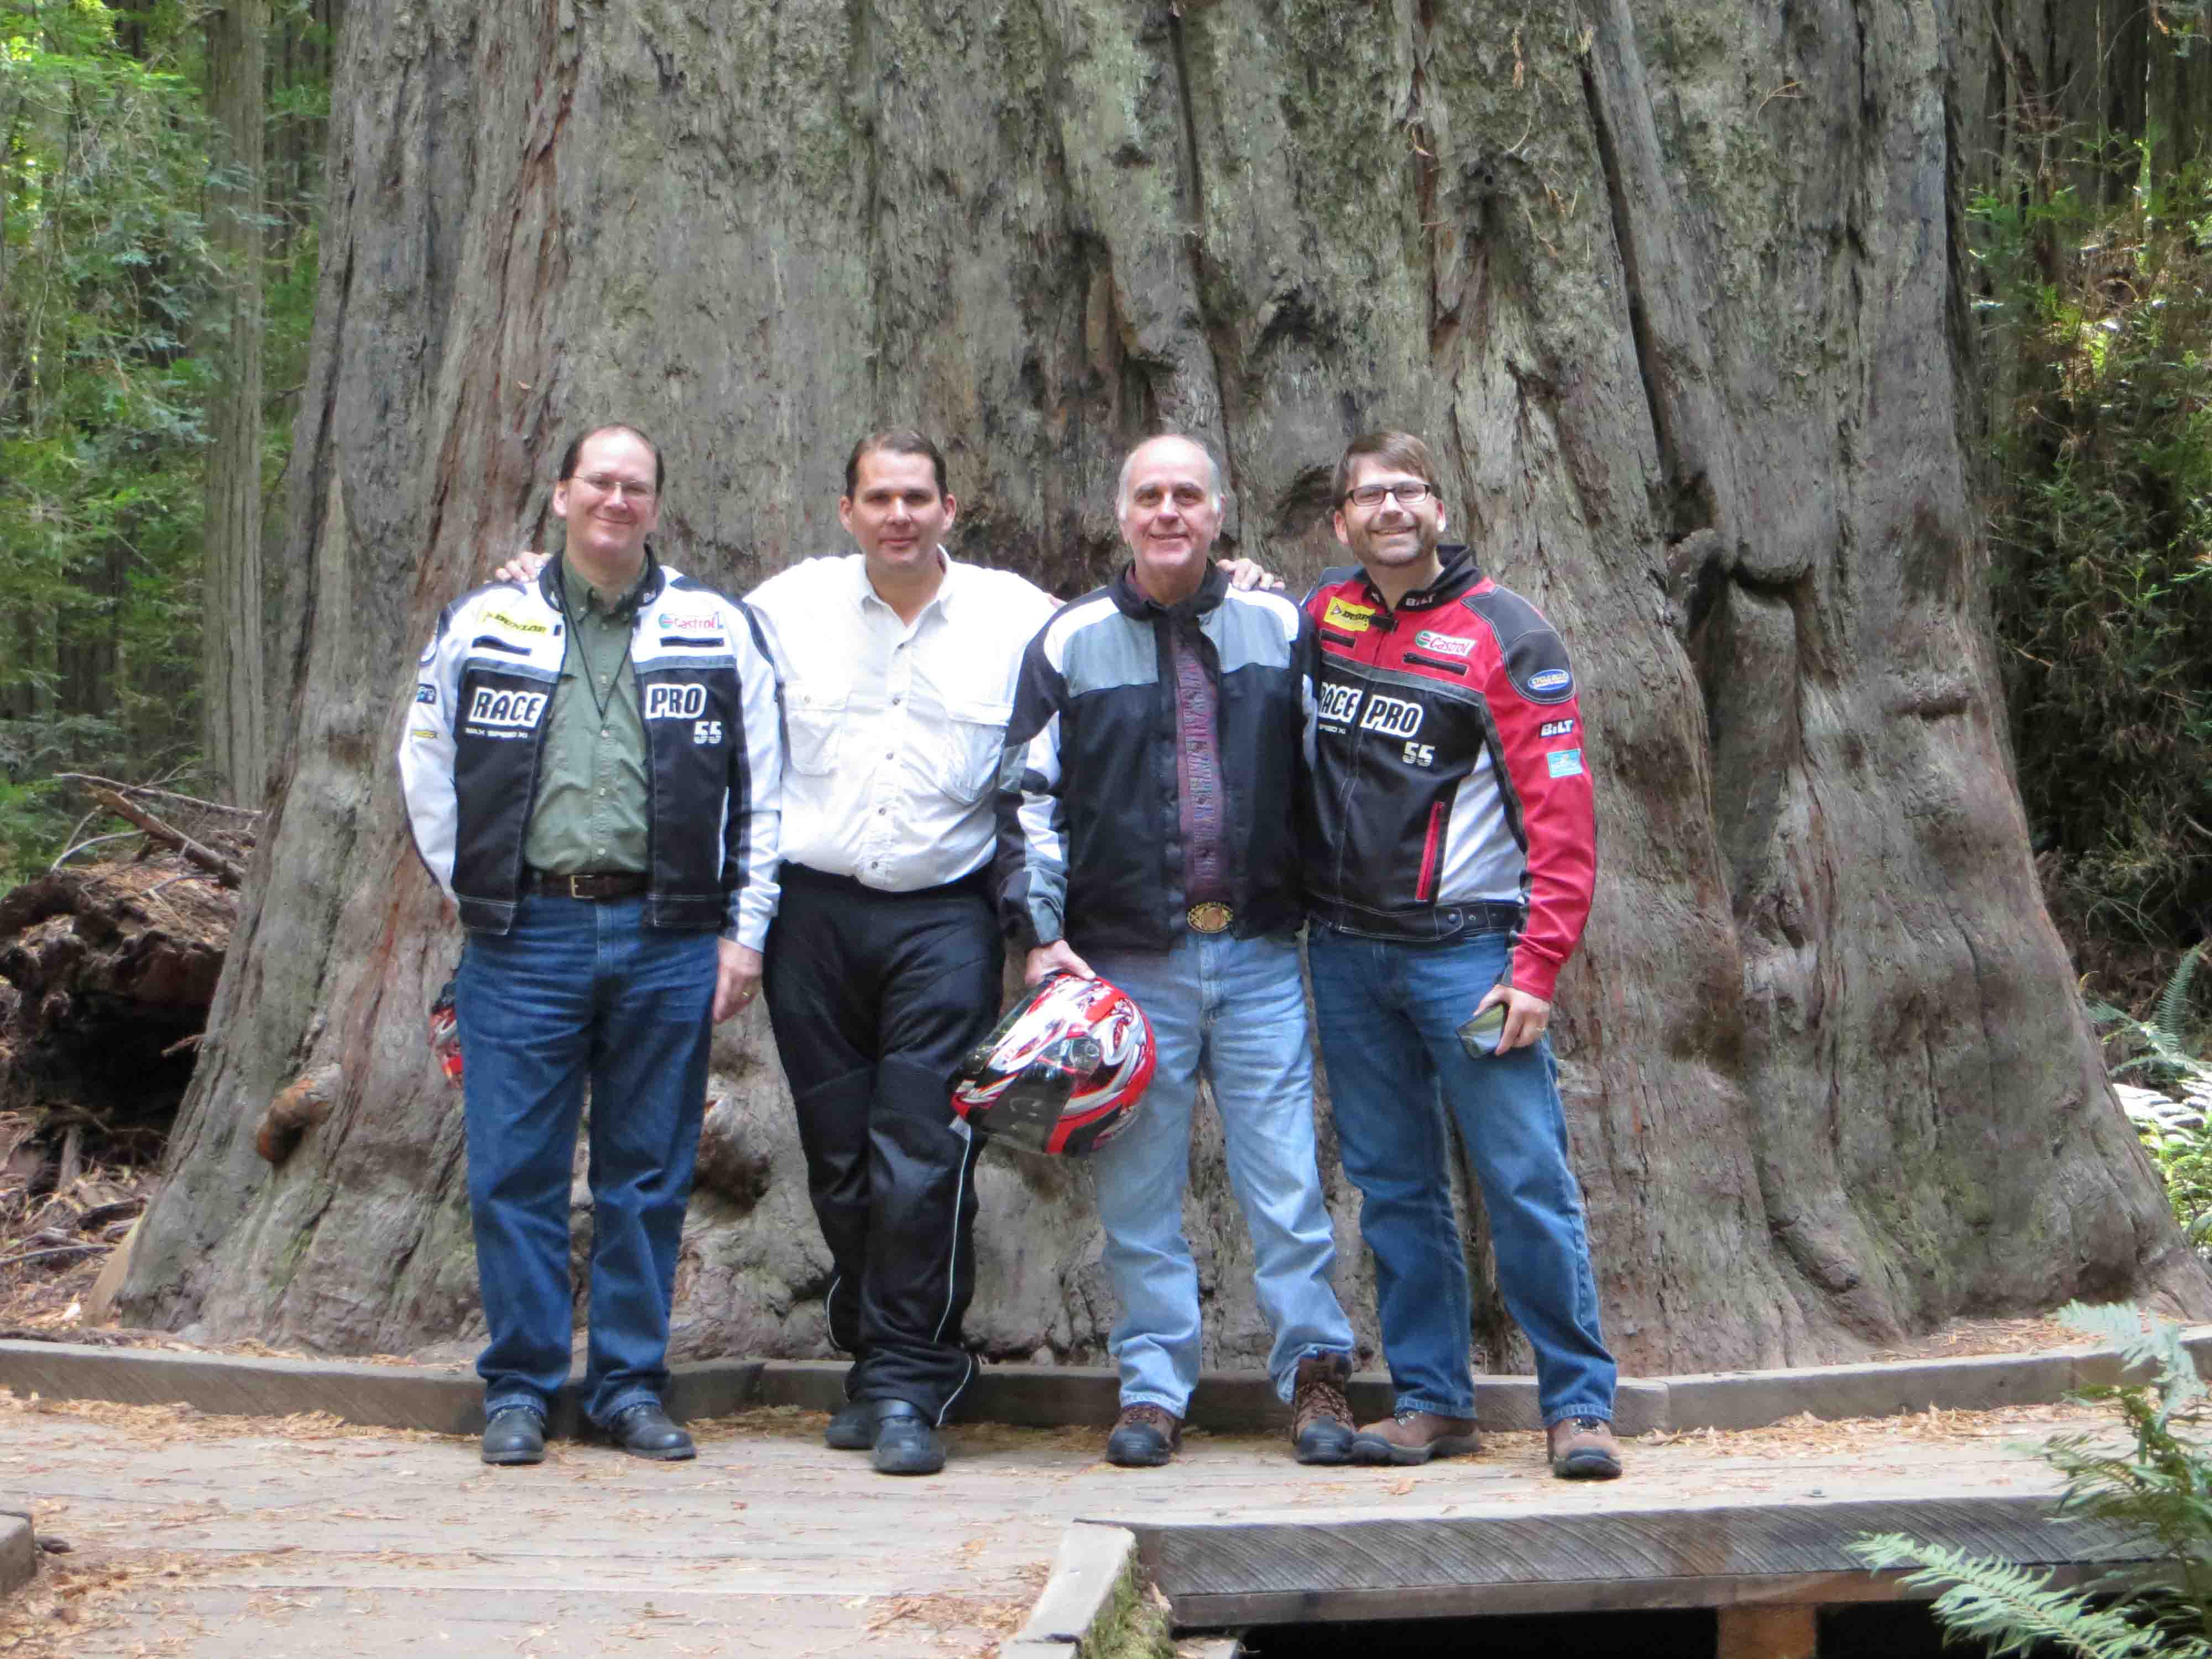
{"x": 894, "y": 441}
{"x": 1400, "y": 449}
{"x": 576, "y": 447}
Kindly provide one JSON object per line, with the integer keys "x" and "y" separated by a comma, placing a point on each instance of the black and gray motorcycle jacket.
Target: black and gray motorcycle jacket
{"x": 1088, "y": 804}
{"x": 484, "y": 698}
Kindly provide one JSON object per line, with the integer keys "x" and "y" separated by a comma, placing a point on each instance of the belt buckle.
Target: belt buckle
{"x": 575, "y": 890}
{"x": 1211, "y": 917}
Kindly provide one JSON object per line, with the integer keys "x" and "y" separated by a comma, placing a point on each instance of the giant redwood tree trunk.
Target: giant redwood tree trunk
{"x": 1675, "y": 286}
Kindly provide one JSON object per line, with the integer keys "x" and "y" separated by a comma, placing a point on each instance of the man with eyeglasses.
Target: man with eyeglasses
{"x": 1450, "y": 853}
{"x": 1146, "y": 820}
{"x": 897, "y": 663}
{"x": 592, "y": 765}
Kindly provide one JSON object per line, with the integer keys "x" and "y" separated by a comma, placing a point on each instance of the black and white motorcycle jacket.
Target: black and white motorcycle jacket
{"x": 483, "y": 699}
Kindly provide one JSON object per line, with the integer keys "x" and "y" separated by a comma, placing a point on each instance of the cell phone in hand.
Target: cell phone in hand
{"x": 1479, "y": 1035}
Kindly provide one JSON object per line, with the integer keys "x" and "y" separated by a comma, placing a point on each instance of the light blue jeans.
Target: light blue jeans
{"x": 1390, "y": 1017}
{"x": 1231, "y": 1009}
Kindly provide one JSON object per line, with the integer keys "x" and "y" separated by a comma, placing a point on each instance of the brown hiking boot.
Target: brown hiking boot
{"x": 1144, "y": 1437}
{"x": 1320, "y": 1417}
{"x": 1583, "y": 1448}
{"x": 1415, "y": 1437}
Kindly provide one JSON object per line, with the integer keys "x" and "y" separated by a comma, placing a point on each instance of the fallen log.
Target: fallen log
{"x": 102, "y": 977}
{"x": 224, "y": 870}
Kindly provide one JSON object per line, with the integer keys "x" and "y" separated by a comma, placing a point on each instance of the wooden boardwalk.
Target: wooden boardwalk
{"x": 202, "y": 1536}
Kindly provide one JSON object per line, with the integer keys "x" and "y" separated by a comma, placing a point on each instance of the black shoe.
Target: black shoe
{"x": 905, "y": 1442}
{"x": 644, "y": 1430}
{"x": 852, "y": 1426}
{"x": 515, "y": 1434}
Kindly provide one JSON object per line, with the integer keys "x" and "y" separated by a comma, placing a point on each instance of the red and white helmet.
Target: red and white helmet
{"x": 1063, "y": 1071}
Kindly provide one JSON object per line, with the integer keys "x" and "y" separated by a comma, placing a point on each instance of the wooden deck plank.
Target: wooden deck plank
{"x": 1225, "y": 1573}
{"x": 771, "y": 1542}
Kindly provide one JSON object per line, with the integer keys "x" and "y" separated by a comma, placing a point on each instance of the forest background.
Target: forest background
{"x": 160, "y": 174}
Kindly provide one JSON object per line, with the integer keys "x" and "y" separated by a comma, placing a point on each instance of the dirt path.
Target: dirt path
{"x": 206, "y": 1537}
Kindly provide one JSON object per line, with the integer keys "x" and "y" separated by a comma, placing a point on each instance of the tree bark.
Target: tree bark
{"x": 234, "y": 714}
{"x": 1676, "y": 289}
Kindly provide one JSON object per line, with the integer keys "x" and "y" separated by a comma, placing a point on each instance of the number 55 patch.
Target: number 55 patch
{"x": 1565, "y": 763}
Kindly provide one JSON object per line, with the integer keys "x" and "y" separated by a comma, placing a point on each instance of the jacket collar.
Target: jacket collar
{"x": 552, "y": 586}
{"x": 1134, "y": 602}
{"x": 1459, "y": 574}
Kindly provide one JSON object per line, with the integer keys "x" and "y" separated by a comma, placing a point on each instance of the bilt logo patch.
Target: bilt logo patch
{"x": 1394, "y": 717}
{"x": 682, "y": 701}
{"x": 520, "y": 625}
{"x": 1555, "y": 728}
{"x": 515, "y": 710}
{"x": 1343, "y": 614}
{"x": 1444, "y": 644}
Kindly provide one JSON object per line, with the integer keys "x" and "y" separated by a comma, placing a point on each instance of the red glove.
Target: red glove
{"x": 446, "y": 1036}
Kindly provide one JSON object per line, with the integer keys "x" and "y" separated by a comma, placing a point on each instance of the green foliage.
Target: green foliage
{"x": 2163, "y": 1040}
{"x": 2099, "y": 328}
{"x": 110, "y": 290}
{"x": 2165, "y": 1047}
{"x": 2159, "y": 1489}
{"x": 36, "y": 814}
{"x": 2012, "y": 1608}
{"x": 2184, "y": 1163}
{"x": 105, "y": 272}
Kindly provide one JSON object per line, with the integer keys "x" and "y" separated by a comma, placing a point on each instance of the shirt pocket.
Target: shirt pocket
{"x": 813, "y": 724}
{"x": 974, "y": 735}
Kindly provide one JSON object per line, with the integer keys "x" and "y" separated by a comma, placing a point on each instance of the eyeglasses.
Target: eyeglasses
{"x": 1410, "y": 493}
{"x": 605, "y": 484}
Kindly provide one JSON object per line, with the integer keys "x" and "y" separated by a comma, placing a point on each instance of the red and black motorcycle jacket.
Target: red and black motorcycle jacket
{"x": 1448, "y": 783}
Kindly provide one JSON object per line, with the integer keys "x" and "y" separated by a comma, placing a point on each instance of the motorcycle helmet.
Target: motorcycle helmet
{"x": 1063, "y": 1071}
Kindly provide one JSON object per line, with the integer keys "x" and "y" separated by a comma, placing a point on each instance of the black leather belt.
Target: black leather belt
{"x": 595, "y": 885}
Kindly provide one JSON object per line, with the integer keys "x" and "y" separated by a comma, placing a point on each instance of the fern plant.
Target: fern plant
{"x": 2159, "y": 1489}
{"x": 2165, "y": 1041}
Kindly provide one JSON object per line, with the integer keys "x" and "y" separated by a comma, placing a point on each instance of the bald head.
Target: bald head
{"x": 1171, "y": 512}
{"x": 1181, "y": 447}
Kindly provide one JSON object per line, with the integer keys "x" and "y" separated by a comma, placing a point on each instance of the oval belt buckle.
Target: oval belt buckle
{"x": 1211, "y": 917}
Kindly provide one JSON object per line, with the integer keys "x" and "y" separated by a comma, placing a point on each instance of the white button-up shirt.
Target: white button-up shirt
{"x": 894, "y": 729}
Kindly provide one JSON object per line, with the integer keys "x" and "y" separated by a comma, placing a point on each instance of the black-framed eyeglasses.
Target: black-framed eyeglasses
{"x": 1410, "y": 492}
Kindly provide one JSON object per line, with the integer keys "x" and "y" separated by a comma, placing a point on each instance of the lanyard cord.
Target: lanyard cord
{"x": 577, "y": 640}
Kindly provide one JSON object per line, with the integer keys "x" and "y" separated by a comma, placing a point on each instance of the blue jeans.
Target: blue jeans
{"x": 1232, "y": 1009}
{"x": 1390, "y": 1017}
{"x": 578, "y": 990}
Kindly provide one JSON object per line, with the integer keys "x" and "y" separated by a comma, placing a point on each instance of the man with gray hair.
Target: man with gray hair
{"x": 1145, "y": 820}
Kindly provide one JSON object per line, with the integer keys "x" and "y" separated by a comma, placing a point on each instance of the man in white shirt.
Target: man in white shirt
{"x": 898, "y": 666}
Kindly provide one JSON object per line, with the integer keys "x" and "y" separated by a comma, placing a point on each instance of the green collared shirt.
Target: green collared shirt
{"x": 592, "y": 787}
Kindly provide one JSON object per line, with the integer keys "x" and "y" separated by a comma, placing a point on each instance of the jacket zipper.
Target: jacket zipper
{"x": 1432, "y": 855}
{"x": 1366, "y": 651}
